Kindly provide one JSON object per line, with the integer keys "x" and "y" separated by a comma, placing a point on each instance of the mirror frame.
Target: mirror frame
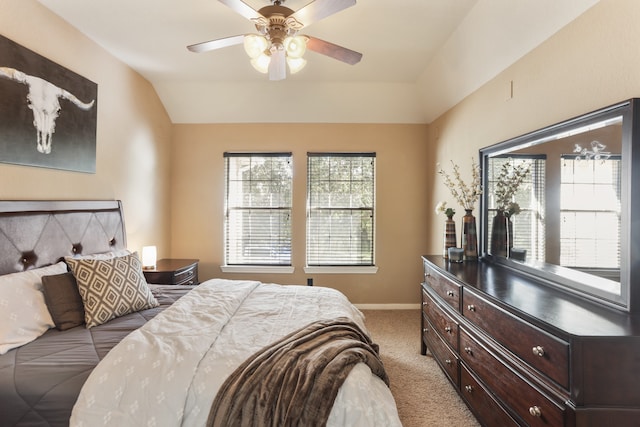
{"x": 566, "y": 279}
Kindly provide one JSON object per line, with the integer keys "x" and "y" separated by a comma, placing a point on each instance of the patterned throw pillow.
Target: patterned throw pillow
{"x": 111, "y": 288}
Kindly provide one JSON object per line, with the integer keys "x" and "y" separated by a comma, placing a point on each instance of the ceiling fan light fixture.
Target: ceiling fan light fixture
{"x": 255, "y": 45}
{"x": 261, "y": 63}
{"x": 296, "y": 64}
{"x": 295, "y": 46}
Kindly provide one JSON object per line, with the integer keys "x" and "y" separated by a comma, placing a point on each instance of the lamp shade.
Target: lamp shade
{"x": 255, "y": 45}
{"x": 295, "y": 46}
{"x": 261, "y": 63}
{"x": 296, "y": 64}
{"x": 149, "y": 256}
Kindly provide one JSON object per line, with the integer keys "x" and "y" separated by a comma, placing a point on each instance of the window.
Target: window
{"x": 590, "y": 212}
{"x": 529, "y": 224}
{"x": 340, "y": 209}
{"x": 258, "y": 209}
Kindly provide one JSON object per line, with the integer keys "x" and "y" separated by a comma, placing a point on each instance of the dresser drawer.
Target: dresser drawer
{"x": 444, "y": 324}
{"x": 188, "y": 276}
{"x": 482, "y": 402}
{"x": 543, "y": 351}
{"x": 447, "y": 360}
{"x": 535, "y": 409}
{"x": 448, "y": 290}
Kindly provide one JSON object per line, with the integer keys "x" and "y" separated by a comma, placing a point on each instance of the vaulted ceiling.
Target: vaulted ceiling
{"x": 420, "y": 57}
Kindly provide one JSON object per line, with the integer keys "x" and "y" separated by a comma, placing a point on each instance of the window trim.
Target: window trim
{"x": 253, "y": 268}
{"x": 263, "y": 269}
{"x": 342, "y": 268}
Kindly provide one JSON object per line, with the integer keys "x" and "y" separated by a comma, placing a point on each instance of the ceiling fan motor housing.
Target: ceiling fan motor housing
{"x": 277, "y": 25}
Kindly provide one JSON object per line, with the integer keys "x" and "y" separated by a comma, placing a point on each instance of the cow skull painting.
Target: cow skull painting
{"x": 43, "y": 99}
{"x": 62, "y": 106}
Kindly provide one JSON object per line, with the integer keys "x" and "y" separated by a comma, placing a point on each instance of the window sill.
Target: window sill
{"x": 263, "y": 269}
{"x": 341, "y": 270}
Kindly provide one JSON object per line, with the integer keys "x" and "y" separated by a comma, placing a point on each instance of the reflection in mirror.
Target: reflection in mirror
{"x": 553, "y": 202}
{"x": 516, "y": 206}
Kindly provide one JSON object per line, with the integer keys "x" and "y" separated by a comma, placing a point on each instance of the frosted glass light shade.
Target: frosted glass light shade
{"x": 296, "y": 64}
{"x": 255, "y": 45}
{"x": 149, "y": 256}
{"x": 261, "y": 63}
{"x": 295, "y": 46}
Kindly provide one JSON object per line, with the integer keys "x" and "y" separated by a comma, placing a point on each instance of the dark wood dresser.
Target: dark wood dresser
{"x": 522, "y": 353}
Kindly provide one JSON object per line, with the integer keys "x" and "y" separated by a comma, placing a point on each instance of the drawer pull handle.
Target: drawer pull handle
{"x": 424, "y": 303}
{"x": 447, "y": 329}
{"x": 535, "y": 411}
{"x": 448, "y": 362}
{"x": 471, "y": 307}
{"x": 425, "y": 330}
{"x": 538, "y": 351}
{"x": 450, "y": 293}
{"x": 468, "y": 350}
{"x": 468, "y": 388}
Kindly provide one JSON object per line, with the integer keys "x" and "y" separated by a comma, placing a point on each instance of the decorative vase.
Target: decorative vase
{"x": 449, "y": 236}
{"x": 500, "y": 235}
{"x": 469, "y": 236}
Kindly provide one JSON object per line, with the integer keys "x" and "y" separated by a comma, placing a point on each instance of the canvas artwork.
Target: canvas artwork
{"x": 48, "y": 114}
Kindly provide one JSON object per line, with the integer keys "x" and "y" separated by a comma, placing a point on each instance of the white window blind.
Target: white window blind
{"x": 340, "y": 209}
{"x": 258, "y": 209}
{"x": 590, "y": 212}
{"x": 529, "y": 224}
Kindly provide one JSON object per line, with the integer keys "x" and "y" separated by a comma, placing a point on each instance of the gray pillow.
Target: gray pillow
{"x": 63, "y": 300}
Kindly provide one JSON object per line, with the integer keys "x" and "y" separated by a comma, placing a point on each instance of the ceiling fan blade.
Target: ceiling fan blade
{"x": 333, "y": 50}
{"x": 278, "y": 65}
{"x": 216, "y": 44}
{"x": 242, "y": 8}
{"x": 319, "y": 9}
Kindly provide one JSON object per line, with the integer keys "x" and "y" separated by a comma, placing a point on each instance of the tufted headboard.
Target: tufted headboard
{"x": 40, "y": 232}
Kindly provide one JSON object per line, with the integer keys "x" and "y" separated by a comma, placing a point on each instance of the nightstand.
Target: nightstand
{"x": 171, "y": 271}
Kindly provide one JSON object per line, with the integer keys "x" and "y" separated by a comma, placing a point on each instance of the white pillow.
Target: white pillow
{"x": 23, "y": 312}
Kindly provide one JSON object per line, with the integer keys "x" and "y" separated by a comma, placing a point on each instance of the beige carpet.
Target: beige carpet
{"x": 424, "y": 396}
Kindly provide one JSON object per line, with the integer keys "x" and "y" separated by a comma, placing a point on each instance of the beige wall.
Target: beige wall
{"x": 133, "y": 135}
{"x": 176, "y": 202}
{"x": 591, "y": 63}
{"x": 402, "y": 182}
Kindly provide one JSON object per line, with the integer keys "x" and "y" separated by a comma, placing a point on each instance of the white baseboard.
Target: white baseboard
{"x": 388, "y": 306}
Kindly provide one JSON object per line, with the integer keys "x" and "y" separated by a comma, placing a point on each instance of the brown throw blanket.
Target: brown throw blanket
{"x": 295, "y": 381}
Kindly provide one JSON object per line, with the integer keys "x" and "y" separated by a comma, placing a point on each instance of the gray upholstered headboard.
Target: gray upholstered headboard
{"x": 38, "y": 233}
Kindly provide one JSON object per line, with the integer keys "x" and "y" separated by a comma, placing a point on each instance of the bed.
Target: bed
{"x": 220, "y": 353}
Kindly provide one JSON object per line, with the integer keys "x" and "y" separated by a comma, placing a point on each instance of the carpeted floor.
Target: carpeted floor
{"x": 424, "y": 396}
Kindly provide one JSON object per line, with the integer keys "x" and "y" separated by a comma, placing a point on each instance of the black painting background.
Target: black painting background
{"x": 74, "y": 140}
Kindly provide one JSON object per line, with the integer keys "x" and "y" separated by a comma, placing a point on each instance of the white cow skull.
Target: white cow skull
{"x": 43, "y": 101}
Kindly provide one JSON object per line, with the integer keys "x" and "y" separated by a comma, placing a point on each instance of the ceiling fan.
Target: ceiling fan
{"x": 278, "y": 43}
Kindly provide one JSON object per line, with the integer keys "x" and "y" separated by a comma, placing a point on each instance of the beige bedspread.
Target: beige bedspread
{"x": 295, "y": 381}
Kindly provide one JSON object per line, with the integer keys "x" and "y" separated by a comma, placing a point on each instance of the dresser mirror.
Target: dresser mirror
{"x": 558, "y": 204}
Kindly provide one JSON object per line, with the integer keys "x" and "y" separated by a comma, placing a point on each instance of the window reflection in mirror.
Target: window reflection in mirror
{"x": 566, "y": 210}
{"x": 590, "y": 215}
